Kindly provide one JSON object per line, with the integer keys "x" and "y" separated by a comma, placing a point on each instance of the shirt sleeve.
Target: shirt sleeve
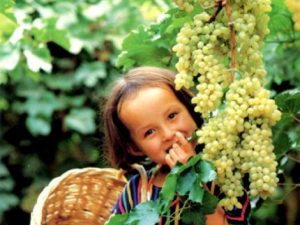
{"x": 129, "y": 197}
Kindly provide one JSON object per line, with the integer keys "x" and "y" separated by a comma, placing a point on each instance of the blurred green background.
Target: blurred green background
{"x": 57, "y": 59}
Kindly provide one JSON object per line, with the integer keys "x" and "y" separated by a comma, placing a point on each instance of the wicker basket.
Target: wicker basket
{"x": 79, "y": 196}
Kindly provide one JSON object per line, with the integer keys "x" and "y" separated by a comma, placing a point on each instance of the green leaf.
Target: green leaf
{"x": 3, "y": 170}
{"x": 38, "y": 125}
{"x": 206, "y": 171}
{"x": 72, "y": 101}
{"x": 179, "y": 168}
{"x": 3, "y": 102}
{"x": 147, "y": 53}
{"x": 210, "y": 203}
{"x": 193, "y": 215}
{"x": 38, "y": 58}
{"x": 289, "y": 101}
{"x": 281, "y": 140}
{"x": 6, "y": 4}
{"x": 6, "y": 149}
{"x": 40, "y": 103}
{"x": 197, "y": 191}
{"x": 168, "y": 190}
{"x": 60, "y": 82}
{"x": 47, "y": 31}
{"x": 9, "y": 57}
{"x": 117, "y": 219}
{"x": 186, "y": 181}
{"x": 6, "y": 184}
{"x": 280, "y": 24}
{"x": 81, "y": 120}
{"x": 7, "y": 201}
{"x": 90, "y": 73}
{"x": 294, "y": 137}
{"x": 146, "y": 213}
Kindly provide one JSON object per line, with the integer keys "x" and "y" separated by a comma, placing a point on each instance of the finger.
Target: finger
{"x": 185, "y": 145}
{"x": 178, "y": 154}
{"x": 170, "y": 162}
{"x": 181, "y": 139}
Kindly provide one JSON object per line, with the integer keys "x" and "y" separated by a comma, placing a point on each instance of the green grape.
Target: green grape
{"x": 294, "y": 8}
{"x": 185, "y": 5}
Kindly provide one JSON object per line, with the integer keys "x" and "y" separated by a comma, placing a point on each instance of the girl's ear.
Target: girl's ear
{"x": 135, "y": 151}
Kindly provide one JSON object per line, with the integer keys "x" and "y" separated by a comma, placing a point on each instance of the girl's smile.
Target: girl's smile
{"x": 158, "y": 124}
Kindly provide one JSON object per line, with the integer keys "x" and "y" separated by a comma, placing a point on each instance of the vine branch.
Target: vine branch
{"x": 296, "y": 118}
{"x": 219, "y": 4}
{"x": 295, "y": 159}
{"x": 232, "y": 36}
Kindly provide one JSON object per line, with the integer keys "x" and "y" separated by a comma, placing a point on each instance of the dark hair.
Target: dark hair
{"x": 118, "y": 138}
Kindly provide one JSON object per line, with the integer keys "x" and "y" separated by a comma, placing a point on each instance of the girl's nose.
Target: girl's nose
{"x": 168, "y": 133}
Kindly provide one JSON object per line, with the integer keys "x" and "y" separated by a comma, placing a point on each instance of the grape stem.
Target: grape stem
{"x": 219, "y": 4}
{"x": 295, "y": 159}
{"x": 232, "y": 37}
{"x": 297, "y": 119}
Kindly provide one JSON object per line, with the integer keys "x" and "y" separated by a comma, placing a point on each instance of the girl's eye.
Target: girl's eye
{"x": 148, "y": 132}
{"x": 172, "y": 115}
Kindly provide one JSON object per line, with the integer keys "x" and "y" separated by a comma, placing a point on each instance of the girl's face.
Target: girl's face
{"x": 156, "y": 120}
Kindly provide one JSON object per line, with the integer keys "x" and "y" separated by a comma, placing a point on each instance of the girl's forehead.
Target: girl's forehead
{"x": 148, "y": 95}
{"x": 139, "y": 91}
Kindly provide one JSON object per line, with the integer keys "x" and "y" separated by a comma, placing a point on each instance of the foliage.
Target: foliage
{"x": 57, "y": 59}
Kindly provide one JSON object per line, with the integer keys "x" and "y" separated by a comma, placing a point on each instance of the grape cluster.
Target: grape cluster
{"x": 201, "y": 50}
{"x": 239, "y": 141}
{"x": 294, "y": 8}
{"x": 185, "y": 5}
{"x": 239, "y": 113}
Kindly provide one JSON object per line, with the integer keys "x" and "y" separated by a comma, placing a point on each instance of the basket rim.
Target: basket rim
{"x": 37, "y": 212}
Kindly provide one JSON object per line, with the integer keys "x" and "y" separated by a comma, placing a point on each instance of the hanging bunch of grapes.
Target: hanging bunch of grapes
{"x": 219, "y": 54}
{"x": 294, "y": 8}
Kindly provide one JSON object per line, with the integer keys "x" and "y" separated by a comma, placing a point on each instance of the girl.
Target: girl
{"x": 145, "y": 117}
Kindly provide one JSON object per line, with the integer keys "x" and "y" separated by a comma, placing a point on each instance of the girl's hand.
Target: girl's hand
{"x": 181, "y": 151}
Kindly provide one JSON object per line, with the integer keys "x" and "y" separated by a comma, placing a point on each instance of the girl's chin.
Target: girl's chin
{"x": 165, "y": 168}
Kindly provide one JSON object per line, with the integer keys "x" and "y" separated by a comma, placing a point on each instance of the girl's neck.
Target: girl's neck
{"x": 161, "y": 175}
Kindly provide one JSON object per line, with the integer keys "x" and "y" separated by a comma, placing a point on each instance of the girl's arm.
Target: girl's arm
{"x": 217, "y": 218}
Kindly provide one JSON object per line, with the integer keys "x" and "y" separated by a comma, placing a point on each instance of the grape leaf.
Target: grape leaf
{"x": 81, "y": 120}
{"x": 146, "y": 213}
{"x": 147, "y": 52}
{"x": 168, "y": 190}
{"x": 9, "y": 57}
{"x": 281, "y": 141}
{"x": 197, "y": 191}
{"x": 289, "y": 101}
{"x": 90, "y": 73}
{"x": 186, "y": 181}
{"x": 210, "y": 202}
{"x": 38, "y": 125}
{"x": 117, "y": 219}
{"x": 38, "y": 58}
{"x": 206, "y": 171}
{"x": 193, "y": 215}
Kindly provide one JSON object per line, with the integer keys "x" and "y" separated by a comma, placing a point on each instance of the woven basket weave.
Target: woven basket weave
{"x": 79, "y": 197}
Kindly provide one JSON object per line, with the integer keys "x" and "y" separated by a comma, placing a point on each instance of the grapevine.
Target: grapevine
{"x": 219, "y": 53}
{"x": 294, "y": 8}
